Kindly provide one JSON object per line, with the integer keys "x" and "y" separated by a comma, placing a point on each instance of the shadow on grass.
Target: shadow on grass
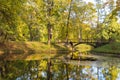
{"x": 12, "y": 53}
{"x": 21, "y": 50}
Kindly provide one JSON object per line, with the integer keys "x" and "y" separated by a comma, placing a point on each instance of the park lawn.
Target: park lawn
{"x": 29, "y": 50}
{"x": 109, "y": 48}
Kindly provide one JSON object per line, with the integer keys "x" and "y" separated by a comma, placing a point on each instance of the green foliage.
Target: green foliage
{"x": 27, "y": 20}
{"x": 111, "y": 30}
{"x": 83, "y": 48}
{"x": 9, "y": 14}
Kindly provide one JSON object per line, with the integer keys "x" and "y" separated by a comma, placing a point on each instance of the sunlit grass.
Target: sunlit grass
{"x": 30, "y": 50}
{"x": 109, "y": 48}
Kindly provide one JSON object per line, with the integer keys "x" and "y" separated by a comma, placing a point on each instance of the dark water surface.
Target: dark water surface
{"x": 60, "y": 69}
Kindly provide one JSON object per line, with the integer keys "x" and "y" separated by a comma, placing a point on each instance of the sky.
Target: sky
{"x": 93, "y": 1}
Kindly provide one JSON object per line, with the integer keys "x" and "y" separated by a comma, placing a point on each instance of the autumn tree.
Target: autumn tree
{"x": 9, "y": 15}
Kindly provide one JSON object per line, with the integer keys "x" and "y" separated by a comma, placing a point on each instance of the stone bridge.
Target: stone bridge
{"x": 92, "y": 42}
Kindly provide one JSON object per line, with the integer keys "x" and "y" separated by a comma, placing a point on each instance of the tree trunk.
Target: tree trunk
{"x": 80, "y": 35}
{"x": 30, "y": 32}
{"x": 68, "y": 21}
{"x": 67, "y": 74}
{"x": 49, "y": 25}
{"x": 49, "y": 33}
{"x": 49, "y": 70}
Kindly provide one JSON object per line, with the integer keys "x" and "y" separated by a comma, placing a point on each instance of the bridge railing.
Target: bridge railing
{"x": 82, "y": 41}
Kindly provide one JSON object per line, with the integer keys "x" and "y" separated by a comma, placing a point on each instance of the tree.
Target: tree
{"x": 80, "y": 19}
{"x": 111, "y": 30}
{"x": 110, "y": 27}
{"x": 30, "y": 19}
{"x": 9, "y": 11}
{"x": 49, "y": 5}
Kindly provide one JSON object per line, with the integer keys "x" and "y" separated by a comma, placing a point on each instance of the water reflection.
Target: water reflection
{"x": 56, "y": 69}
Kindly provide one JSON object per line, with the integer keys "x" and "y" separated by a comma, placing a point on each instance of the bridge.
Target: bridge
{"x": 92, "y": 42}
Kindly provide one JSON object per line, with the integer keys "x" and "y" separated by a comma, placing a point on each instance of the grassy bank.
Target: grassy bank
{"x": 29, "y": 50}
{"x": 37, "y": 50}
{"x": 109, "y": 48}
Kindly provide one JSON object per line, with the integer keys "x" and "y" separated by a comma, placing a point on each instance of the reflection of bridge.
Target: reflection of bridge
{"x": 92, "y": 42}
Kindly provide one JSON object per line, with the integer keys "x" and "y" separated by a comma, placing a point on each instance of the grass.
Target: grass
{"x": 37, "y": 50}
{"x": 29, "y": 50}
{"x": 109, "y": 48}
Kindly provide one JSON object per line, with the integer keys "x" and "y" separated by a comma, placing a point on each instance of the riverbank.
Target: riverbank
{"x": 29, "y": 50}
{"x": 112, "y": 48}
{"x": 38, "y": 50}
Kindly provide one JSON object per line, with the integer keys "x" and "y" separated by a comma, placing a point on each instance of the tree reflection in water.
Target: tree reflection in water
{"x": 55, "y": 69}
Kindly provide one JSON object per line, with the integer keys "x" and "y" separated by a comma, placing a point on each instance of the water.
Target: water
{"x": 60, "y": 69}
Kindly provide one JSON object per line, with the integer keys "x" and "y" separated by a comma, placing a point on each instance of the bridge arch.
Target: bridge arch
{"x": 92, "y": 42}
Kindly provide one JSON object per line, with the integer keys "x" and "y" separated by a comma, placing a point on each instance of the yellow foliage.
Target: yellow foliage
{"x": 84, "y": 47}
{"x": 43, "y": 65}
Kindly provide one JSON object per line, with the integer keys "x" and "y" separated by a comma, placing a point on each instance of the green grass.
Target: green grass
{"x": 30, "y": 46}
{"x": 37, "y": 50}
{"x": 29, "y": 50}
{"x": 109, "y": 48}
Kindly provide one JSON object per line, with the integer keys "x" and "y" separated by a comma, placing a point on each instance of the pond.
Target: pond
{"x": 60, "y": 69}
